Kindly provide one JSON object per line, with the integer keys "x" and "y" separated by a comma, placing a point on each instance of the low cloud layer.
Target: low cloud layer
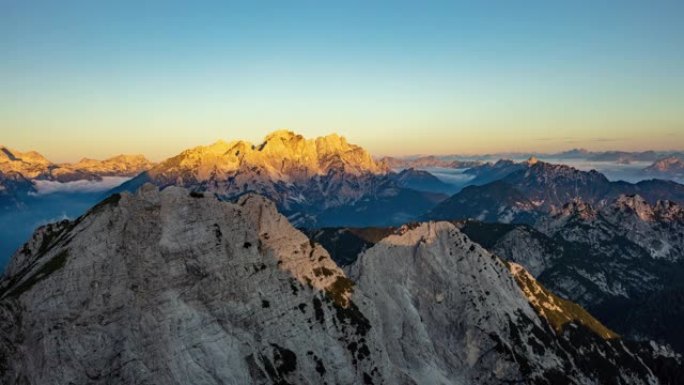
{"x": 451, "y": 176}
{"x": 45, "y": 187}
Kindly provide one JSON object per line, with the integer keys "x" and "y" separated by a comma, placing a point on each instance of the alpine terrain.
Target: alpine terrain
{"x": 177, "y": 287}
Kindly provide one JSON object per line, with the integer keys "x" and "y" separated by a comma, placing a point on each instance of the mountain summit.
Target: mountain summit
{"x": 282, "y": 156}
{"x": 324, "y": 181}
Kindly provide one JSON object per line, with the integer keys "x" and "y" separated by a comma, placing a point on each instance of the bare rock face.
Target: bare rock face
{"x": 449, "y": 312}
{"x": 168, "y": 288}
{"x": 175, "y": 287}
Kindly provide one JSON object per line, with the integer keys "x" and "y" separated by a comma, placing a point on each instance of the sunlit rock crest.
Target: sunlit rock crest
{"x": 315, "y": 182}
{"x": 32, "y": 165}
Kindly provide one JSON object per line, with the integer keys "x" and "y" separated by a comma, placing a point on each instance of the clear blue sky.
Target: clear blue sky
{"x": 89, "y": 79}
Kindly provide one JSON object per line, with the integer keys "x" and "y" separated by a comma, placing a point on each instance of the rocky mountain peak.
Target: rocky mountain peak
{"x": 669, "y": 211}
{"x": 282, "y": 156}
{"x": 635, "y": 204}
{"x": 667, "y": 164}
{"x": 33, "y": 165}
{"x": 669, "y": 167}
{"x": 661, "y": 211}
{"x": 578, "y": 208}
{"x": 30, "y": 164}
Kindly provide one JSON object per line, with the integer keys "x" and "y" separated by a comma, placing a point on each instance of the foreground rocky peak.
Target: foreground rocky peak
{"x": 450, "y": 312}
{"x": 165, "y": 287}
{"x": 180, "y": 287}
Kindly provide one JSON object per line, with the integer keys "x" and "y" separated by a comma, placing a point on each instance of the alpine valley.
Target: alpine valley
{"x": 309, "y": 261}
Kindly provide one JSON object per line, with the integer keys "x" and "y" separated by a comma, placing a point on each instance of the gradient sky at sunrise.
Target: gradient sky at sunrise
{"x": 93, "y": 79}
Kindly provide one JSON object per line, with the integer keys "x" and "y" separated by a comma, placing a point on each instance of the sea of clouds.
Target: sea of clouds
{"x": 45, "y": 187}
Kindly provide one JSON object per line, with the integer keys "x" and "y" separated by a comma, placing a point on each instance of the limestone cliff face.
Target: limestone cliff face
{"x": 449, "y": 312}
{"x": 168, "y": 288}
{"x": 175, "y": 287}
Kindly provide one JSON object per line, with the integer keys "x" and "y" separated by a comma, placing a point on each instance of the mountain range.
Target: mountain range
{"x": 522, "y": 192}
{"x": 429, "y": 161}
{"x": 623, "y": 261}
{"x": 34, "y": 166}
{"x": 296, "y": 259}
{"x": 324, "y": 181}
{"x": 619, "y": 157}
{"x": 177, "y": 286}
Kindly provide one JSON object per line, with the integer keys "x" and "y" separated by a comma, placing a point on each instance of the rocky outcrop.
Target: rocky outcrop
{"x": 179, "y": 287}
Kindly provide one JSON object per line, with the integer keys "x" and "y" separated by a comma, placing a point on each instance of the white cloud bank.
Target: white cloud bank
{"x": 44, "y": 187}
